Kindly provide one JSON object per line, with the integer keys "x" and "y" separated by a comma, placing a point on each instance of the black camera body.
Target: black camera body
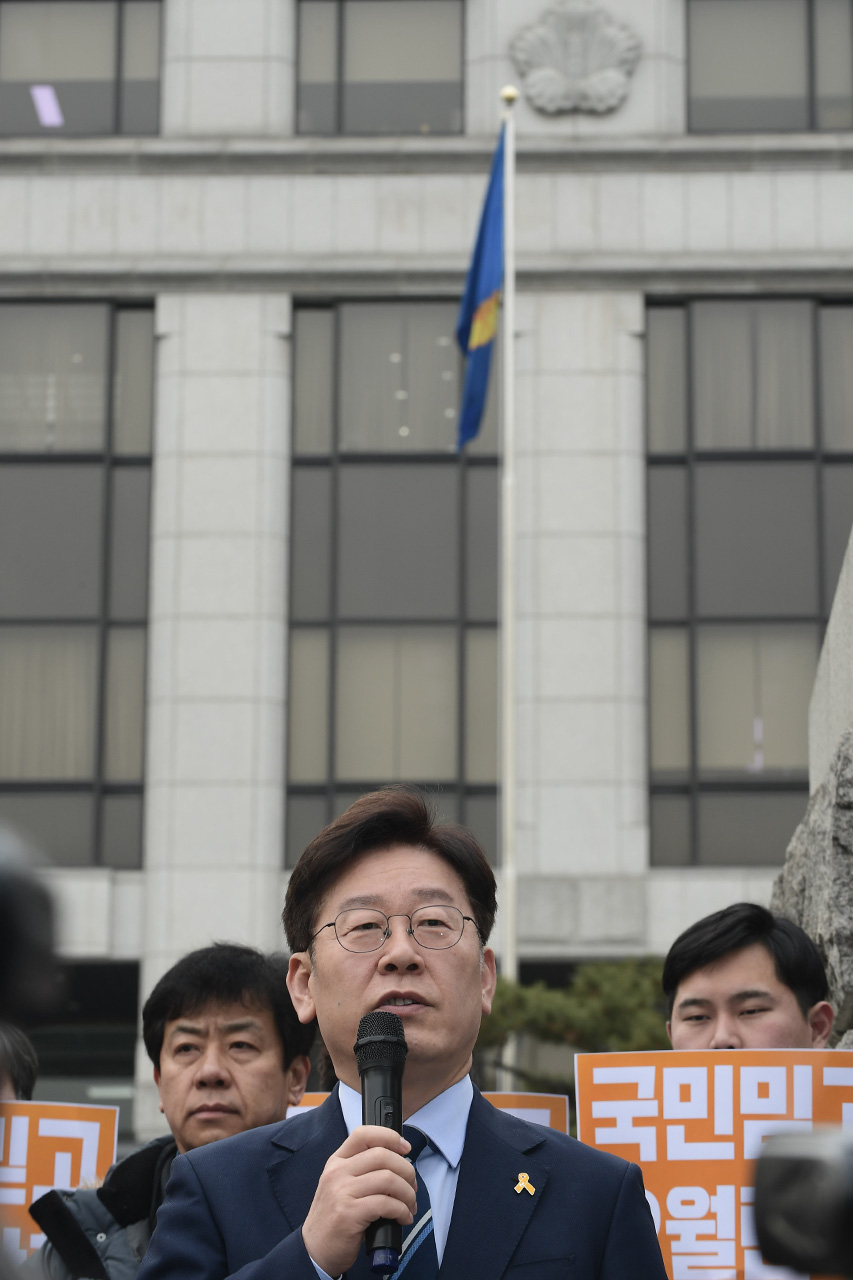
{"x": 804, "y": 1201}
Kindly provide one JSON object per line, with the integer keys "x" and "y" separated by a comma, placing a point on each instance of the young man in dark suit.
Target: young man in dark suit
{"x": 388, "y": 910}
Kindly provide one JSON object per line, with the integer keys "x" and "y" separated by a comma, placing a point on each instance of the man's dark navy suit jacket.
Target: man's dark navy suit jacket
{"x": 234, "y": 1208}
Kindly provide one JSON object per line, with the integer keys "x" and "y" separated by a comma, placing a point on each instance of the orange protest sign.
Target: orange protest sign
{"x": 550, "y": 1109}
{"x": 695, "y": 1122}
{"x": 47, "y": 1145}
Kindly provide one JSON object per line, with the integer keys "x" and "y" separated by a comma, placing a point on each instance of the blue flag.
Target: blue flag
{"x": 478, "y": 312}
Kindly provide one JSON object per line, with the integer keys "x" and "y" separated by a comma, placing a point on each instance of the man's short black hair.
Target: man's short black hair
{"x": 225, "y": 973}
{"x": 797, "y": 960}
{"x": 18, "y": 1061}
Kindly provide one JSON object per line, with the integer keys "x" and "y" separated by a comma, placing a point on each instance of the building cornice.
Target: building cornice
{"x": 413, "y": 276}
{"x": 541, "y": 154}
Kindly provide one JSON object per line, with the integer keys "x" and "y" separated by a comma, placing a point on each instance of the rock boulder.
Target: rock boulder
{"x": 815, "y": 886}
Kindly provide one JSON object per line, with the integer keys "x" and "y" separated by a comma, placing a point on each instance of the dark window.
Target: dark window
{"x": 752, "y": 558}
{"x": 668, "y": 543}
{"x": 79, "y": 67}
{"x": 753, "y": 375}
{"x": 415, "y": 573}
{"x": 393, "y": 640}
{"x": 750, "y": 506}
{"x": 380, "y": 66}
{"x": 86, "y": 1052}
{"x": 75, "y": 478}
{"x": 770, "y": 65}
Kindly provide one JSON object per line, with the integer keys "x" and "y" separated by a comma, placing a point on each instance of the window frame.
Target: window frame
{"x": 811, "y": 76}
{"x": 98, "y": 786}
{"x": 117, "y": 130}
{"x": 461, "y": 790}
{"x": 693, "y": 785}
{"x": 338, "y": 130}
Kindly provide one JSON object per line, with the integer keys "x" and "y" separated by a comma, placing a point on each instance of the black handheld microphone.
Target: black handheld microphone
{"x": 380, "y": 1052}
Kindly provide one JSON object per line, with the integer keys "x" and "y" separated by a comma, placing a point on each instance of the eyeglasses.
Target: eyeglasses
{"x": 362, "y": 929}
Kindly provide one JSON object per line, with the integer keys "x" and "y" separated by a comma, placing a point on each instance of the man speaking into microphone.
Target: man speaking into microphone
{"x": 389, "y": 912}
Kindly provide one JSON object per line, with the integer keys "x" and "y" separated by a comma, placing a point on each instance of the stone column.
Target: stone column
{"x": 216, "y": 666}
{"x": 582, "y": 821}
{"x": 228, "y": 68}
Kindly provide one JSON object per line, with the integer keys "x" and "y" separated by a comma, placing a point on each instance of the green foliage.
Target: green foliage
{"x": 609, "y": 1006}
{"x": 612, "y": 1005}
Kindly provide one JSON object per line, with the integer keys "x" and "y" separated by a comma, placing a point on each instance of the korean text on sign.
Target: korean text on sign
{"x": 46, "y": 1146}
{"x": 695, "y": 1122}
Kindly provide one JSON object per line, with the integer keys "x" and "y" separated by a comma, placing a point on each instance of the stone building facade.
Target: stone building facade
{"x": 229, "y": 223}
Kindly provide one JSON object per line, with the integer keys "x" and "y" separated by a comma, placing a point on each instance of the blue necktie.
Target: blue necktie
{"x": 418, "y": 1259}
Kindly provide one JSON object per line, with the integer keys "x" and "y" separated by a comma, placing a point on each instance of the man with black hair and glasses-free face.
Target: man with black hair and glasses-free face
{"x": 389, "y": 910}
{"x": 229, "y": 1054}
{"x": 744, "y": 978}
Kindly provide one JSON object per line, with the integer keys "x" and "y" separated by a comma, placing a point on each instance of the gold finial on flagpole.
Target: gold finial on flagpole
{"x": 509, "y": 93}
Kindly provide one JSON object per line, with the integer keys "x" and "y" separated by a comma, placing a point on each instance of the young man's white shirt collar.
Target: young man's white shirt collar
{"x": 444, "y": 1120}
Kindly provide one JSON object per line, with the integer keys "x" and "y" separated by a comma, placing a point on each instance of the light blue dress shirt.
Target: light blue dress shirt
{"x": 444, "y": 1120}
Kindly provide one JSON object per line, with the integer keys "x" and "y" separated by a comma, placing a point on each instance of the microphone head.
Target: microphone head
{"x": 380, "y": 1038}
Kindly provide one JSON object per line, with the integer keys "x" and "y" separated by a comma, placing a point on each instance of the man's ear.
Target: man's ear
{"x": 298, "y": 1073}
{"x": 157, "y": 1082}
{"x": 669, "y": 1031}
{"x": 821, "y": 1018}
{"x": 299, "y": 971}
{"x": 488, "y": 978}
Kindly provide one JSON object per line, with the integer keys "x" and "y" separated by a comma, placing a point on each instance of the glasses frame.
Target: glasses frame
{"x": 332, "y": 924}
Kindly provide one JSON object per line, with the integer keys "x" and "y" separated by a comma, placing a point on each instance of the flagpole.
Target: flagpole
{"x": 509, "y": 890}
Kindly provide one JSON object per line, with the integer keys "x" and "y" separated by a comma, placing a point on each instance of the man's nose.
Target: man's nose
{"x": 726, "y": 1033}
{"x": 400, "y": 950}
{"x": 212, "y": 1067}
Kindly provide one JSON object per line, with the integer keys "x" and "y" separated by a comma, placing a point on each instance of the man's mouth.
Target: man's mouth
{"x": 401, "y": 1002}
{"x": 213, "y": 1108}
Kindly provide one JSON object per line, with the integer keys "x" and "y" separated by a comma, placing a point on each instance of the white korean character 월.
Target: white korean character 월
{"x": 700, "y": 1227}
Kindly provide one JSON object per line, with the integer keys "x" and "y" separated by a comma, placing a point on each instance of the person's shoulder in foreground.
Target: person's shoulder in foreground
{"x": 744, "y": 978}
{"x": 104, "y": 1230}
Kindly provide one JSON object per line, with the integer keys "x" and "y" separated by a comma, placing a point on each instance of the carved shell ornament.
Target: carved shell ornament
{"x": 575, "y": 57}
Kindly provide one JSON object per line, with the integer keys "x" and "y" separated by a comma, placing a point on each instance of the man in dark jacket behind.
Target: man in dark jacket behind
{"x": 229, "y": 1054}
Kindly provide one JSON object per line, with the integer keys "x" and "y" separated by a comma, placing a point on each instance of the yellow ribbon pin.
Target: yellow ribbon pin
{"x": 524, "y": 1184}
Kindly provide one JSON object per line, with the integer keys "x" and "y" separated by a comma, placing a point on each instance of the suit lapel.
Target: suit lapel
{"x": 310, "y": 1143}
{"x": 489, "y": 1216}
